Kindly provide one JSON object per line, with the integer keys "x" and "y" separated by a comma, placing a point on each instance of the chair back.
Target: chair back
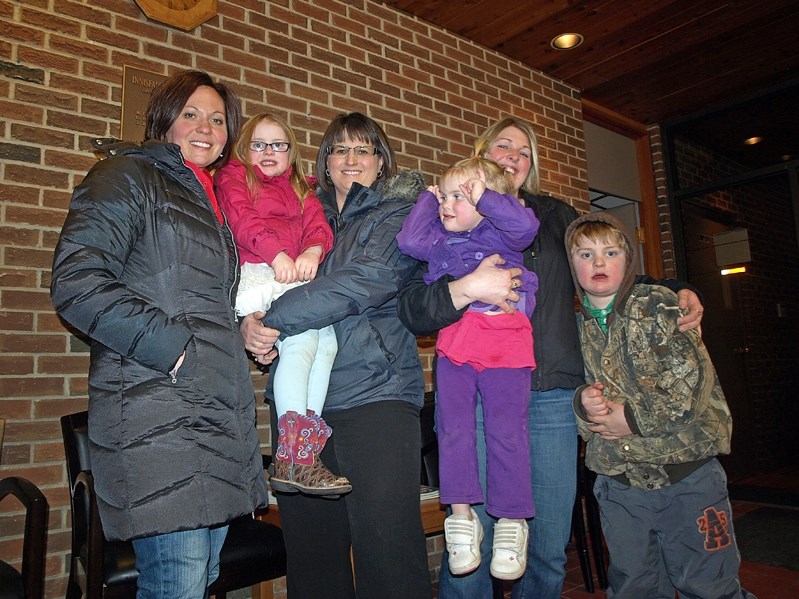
{"x": 75, "y": 432}
{"x": 98, "y": 568}
{"x": 30, "y": 584}
{"x": 253, "y": 551}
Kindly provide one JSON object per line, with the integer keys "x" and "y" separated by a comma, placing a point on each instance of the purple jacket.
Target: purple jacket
{"x": 507, "y": 229}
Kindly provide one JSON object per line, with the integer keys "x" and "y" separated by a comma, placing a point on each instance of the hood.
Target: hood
{"x": 405, "y": 186}
{"x": 629, "y": 272}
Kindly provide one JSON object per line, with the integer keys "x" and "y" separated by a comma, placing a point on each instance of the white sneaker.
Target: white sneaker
{"x": 463, "y": 537}
{"x": 509, "y": 556}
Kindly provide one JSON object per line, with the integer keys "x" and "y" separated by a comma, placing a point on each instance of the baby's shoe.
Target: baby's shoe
{"x": 463, "y": 537}
{"x": 509, "y": 555}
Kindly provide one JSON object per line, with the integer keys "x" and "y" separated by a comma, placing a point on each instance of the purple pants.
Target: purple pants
{"x": 505, "y": 396}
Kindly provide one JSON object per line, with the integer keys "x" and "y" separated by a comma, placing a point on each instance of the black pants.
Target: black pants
{"x": 377, "y": 447}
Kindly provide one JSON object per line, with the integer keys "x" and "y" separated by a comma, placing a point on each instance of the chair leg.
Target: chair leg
{"x": 595, "y": 532}
{"x": 581, "y": 543}
{"x": 497, "y": 589}
{"x": 73, "y": 589}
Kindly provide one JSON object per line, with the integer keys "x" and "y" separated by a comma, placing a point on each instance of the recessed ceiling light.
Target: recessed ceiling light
{"x": 566, "y": 41}
{"x": 753, "y": 140}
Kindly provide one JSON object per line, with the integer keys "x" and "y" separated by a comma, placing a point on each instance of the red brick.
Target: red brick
{"x": 30, "y": 386}
{"x": 15, "y": 365}
{"x": 63, "y": 364}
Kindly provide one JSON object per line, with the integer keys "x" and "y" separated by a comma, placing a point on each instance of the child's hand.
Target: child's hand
{"x": 593, "y": 400}
{"x": 612, "y": 426}
{"x": 434, "y": 190}
{"x": 308, "y": 263}
{"x": 285, "y": 269}
{"x": 473, "y": 190}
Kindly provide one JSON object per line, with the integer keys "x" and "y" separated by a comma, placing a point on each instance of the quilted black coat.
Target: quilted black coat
{"x": 146, "y": 271}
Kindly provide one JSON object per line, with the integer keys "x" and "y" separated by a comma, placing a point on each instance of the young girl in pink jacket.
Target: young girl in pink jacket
{"x": 281, "y": 235}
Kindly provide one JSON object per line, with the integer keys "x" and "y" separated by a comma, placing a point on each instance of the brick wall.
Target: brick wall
{"x": 61, "y": 84}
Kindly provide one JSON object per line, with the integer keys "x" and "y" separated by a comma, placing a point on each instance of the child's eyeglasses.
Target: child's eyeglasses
{"x": 359, "y": 150}
{"x": 277, "y": 146}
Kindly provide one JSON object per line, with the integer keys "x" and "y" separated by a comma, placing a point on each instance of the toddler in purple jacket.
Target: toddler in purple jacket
{"x": 470, "y": 215}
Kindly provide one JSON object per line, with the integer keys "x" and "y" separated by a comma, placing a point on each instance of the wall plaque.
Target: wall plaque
{"x": 136, "y": 88}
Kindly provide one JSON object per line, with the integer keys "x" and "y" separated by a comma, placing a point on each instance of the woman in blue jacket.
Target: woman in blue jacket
{"x": 376, "y": 386}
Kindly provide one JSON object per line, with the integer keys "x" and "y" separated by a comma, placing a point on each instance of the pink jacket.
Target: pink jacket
{"x": 275, "y": 222}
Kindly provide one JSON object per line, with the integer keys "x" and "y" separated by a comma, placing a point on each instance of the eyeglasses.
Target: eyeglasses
{"x": 277, "y": 146}
{"x": 342, "y": 151}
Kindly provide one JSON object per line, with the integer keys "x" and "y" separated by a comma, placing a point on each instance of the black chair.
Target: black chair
{"x": 29, "y": 582}
{"x": 586, "y": 526}
{"x": 253, "y": 551}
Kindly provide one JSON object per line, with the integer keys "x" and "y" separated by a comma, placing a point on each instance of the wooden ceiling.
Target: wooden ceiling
{"x": 649, "y": 60}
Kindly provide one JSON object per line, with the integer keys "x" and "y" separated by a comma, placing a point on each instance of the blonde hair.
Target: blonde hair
{"x": 482, "y": 145}
{"x": 604, "y": 232}
{"x": 241, "y": 152}
{"x": 496, "y": 177}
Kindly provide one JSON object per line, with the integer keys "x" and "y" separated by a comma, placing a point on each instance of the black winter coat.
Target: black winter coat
{"x": 356, "y": 291}
{"x": 144, "y": 268}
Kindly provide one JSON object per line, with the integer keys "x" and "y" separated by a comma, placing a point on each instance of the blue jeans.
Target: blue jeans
{"x": 178, "y": 565}
{"x": 553, "y": 465}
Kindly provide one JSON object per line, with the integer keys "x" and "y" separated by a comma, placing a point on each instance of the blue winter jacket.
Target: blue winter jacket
{"x": 356, "y": 291}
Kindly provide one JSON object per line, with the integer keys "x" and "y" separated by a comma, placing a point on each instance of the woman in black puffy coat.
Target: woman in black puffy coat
{"x": 146, "y": 267}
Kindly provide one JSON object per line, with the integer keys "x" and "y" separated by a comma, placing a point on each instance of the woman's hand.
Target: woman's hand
{"x": 488, "y": 283}
{"x": 174, "y": 372}
{"x": 692, "y": 311}
{"x": 259, "y": 339}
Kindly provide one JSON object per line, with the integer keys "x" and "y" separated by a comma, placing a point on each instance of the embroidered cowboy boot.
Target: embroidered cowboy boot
{"x": 297, "y": 466}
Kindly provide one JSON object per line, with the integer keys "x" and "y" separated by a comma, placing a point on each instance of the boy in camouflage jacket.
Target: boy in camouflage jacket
{"x": 654, "y": 418}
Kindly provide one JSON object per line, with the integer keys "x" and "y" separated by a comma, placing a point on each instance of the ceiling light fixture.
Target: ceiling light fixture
{"x": 566, "y": 41}
{"x": 753, "y": 140}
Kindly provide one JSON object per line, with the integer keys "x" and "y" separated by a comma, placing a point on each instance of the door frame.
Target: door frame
{"x": 647, "y": 207}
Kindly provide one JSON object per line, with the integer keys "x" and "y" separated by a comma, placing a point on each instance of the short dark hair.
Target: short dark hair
{"x": 171, "y": 95}
{"x": 357, "y": 126}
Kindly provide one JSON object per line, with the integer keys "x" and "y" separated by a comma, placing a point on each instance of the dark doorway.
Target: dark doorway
{"x": 751, "y": 324}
